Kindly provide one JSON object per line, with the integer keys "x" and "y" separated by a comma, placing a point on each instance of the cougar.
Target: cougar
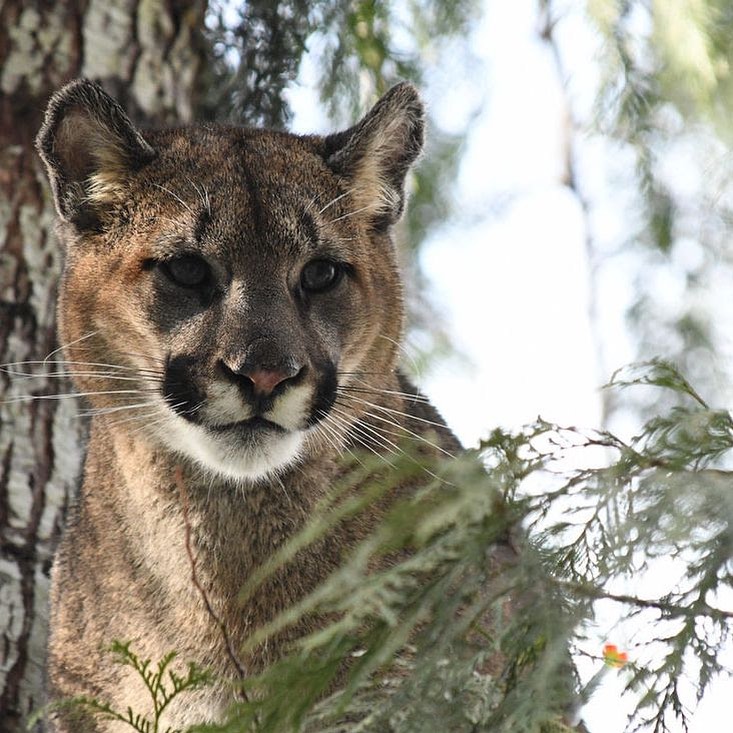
{"x": 232, "y": 310}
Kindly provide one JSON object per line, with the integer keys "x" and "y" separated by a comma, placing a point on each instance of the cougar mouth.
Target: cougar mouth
{"x": 251, "y": 426}
{"x": 221, "y": 429}
{"x": 251, "y": 449}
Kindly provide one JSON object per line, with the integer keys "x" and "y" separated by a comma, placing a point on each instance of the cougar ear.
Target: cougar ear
{"x": 90, "y": 149}
{"x": 376, "y": 153}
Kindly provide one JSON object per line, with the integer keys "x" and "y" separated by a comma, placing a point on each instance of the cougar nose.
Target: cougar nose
{"x": 265, "y": 380}
{"x": 261, "y": 373}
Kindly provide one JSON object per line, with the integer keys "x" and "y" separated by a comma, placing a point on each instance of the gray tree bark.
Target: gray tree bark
{"x": 149, "y": 54}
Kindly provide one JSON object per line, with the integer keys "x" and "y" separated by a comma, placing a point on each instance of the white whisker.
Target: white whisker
{"x": 284, "y": 490}
{"x": 68, "y": 375}
{"x": 193, "y": 409}
{"x": 202, "y": 194}
{"x": 30, "y": 398}
{"x": 71, "y": 343}
{"x": 407, "y": 455}
{"x": 334, "y": 200}
{"x": 119, "y": 408}
{"x": 336, "y": 438}
{"x": 412, "y": 397}
{"x": 396, "y": 412}
{"x": 149, "y": 424}
{"x": 368, "y": 432}
{"x": 132, "y": 353}
{"x": 134, "y": 418}
{"x": 175, "y": 196}
{"x": 164, "y": 418}
{"x": 361, "y": 438}
{"x": 407, "y": 431}
{"x": 59, "y": 363}
{"x": 403, "y": 349}
{"x": 350, "y": 213}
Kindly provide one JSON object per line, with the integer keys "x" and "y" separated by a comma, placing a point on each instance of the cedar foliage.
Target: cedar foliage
{"x": 415, "y": 638}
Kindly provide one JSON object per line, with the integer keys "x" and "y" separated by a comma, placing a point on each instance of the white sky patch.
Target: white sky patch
{"x": 516, "y": 296}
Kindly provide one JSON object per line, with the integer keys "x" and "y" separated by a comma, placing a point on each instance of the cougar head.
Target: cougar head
{"x": 222, "y": 282}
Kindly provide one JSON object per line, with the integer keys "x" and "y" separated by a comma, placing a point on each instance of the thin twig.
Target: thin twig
{"x": 666, "y": 607}
{"x": 178, "y": 474}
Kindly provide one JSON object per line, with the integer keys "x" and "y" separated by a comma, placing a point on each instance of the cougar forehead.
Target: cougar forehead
{"x": 240, "y": 276}
{"x": 246, "y": 205}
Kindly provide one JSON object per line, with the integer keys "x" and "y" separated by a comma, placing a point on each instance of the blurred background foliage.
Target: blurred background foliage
{"x": 665, "y": 95}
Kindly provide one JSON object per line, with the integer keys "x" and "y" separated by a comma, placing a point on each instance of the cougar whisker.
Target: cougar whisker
{"x": 336, "y": 425}
{"x": 134, "y": 418}
{"x": 333, "y": 436}
{"x": 202, "y": 194}
{"x": 71, "y": 343}
{"x": 68, "y": 375}
{"x": 149, "y": 424}
{"x": 130, "y": 353}
{"x": 397, "y": 412}
{"x": 407, "y": 455}
{"x": 403, "y": 349}
{"x": 71, "y": 395}
{"x": 407, "y": 432}
{"x": 36, "y": 362}
{"x": 413, "y": 398}
{"x": 176, "y": 197}
{"x": 350, "y": 213}
{"x": 334, "y": 200}
{"x": 367, "y": 432}
{"x": 110, "y": 410}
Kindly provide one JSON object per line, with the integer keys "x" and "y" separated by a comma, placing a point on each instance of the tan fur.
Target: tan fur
{"x": 371, "y": 192}
{"x": 257, "y": 206}
{"x": 109, "y": 183}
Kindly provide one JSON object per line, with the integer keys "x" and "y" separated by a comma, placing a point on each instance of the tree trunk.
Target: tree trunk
{"x": 149, "y": 54}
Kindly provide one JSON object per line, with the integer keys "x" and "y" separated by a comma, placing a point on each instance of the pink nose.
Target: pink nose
{"x": 265, "y": 380}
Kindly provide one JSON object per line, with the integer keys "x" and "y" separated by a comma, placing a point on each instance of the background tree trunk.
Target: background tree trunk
{"x": 149, "y": 54}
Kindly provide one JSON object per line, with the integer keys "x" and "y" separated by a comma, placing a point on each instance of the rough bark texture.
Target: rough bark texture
{"x": 149, "y": 55}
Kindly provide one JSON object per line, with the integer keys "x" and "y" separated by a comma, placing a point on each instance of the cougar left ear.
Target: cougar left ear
{"x": 90, "y": 149}
{"x": 377, "y": 152}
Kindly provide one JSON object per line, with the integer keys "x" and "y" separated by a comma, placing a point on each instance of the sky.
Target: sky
{"x": 515, "y": 284}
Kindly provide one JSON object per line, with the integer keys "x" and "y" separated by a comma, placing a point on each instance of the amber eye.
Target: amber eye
{"x": 188, "y": 271}
{"x": 320, "y": 275}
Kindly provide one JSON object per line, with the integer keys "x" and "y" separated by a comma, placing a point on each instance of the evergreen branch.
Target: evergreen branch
{"x": 668, "y": 608}
{"x": 436, "y": 620}
{"x": 657, "y": 373}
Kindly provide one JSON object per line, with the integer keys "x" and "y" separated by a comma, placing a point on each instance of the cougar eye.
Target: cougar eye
{"x": 188, "y": 271}
{"x": 320, "y": 275}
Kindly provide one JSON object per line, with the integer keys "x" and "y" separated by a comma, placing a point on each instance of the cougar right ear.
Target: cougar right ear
{"x": 90, "y": 149}
{"x": 376, "y": 153}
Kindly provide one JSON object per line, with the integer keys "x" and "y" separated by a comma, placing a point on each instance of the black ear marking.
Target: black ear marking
{"x": 376, "y": 153}
{"x": 90, "y": 148}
